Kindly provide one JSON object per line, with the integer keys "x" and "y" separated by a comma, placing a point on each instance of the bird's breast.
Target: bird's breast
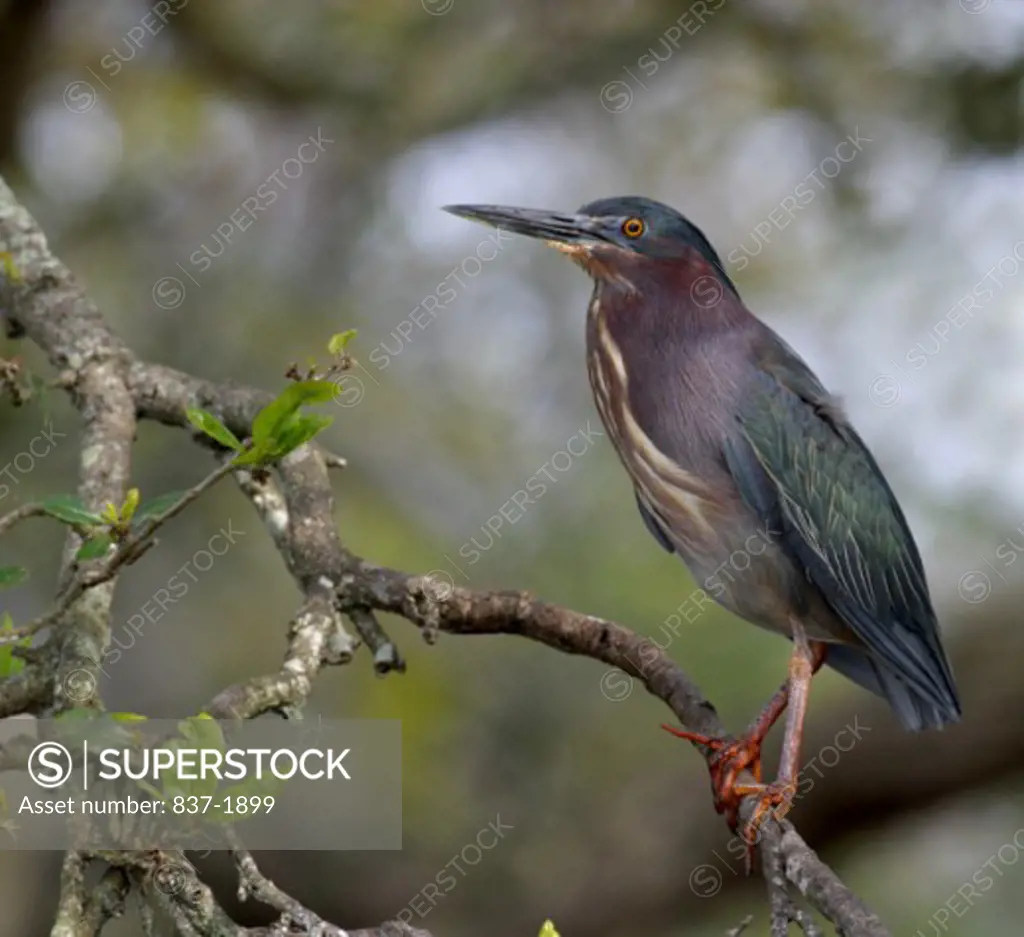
{"x": 685, "y": 503}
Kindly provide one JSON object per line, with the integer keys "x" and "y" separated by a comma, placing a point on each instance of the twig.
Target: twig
{"x": 784, "y": 910}
{"x": 313, "y": 641}
{"x": 385, "y": 654}
{"x": 268, "y": 501}
{"x": 67, "y": 598}
{"x": 822, "y": 888}
{"x": 130, "y": 550}
{"x": 778, "y": 897}
{"x": 106, "y": 902}
{"x": 190, "y": 495}
{"x": 252, "y": 882}
{"x": 805, "y": 921}
{"x": 70, "y": 921}
{"x": 148, "y": 919}
{"x": 19, "y": 514}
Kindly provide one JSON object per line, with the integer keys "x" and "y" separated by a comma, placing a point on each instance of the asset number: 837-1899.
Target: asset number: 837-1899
{"x": 237, "y": 805}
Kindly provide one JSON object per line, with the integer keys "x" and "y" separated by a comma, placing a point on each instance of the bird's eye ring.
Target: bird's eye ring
{"x": 633, "y": 227}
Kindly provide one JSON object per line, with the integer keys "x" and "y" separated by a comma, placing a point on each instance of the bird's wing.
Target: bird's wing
{"x": 806, "y": 472}
{"x": 653, "y": 526}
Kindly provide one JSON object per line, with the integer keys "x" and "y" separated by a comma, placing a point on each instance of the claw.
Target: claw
{"x": 729, "y": 759}
{"x": 775, "y": 799}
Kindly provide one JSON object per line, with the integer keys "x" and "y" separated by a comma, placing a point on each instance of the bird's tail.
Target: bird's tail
{"x": 914, "y": 710}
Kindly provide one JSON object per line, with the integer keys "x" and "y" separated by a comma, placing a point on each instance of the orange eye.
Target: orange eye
{"x": 633, "y": 227}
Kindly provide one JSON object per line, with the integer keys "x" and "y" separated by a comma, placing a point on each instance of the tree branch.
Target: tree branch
{"x": 112, "y": 389}
{"x": 106, "y": 902}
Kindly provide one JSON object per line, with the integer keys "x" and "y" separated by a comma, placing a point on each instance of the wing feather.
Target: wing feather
{"x": 797, "y": 461}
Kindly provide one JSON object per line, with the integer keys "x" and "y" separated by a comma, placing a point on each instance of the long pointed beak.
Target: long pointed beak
{"x": 574, "y": 230}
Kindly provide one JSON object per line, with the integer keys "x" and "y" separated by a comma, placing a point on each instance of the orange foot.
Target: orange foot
{"x": 729, "y": 758}
{"x": 775, "y": 799}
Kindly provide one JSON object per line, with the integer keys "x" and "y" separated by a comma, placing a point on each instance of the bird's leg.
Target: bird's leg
{"x": 777, "y": 797}
{"x": 732, "y": 756}
{"x": 776, "y": 706}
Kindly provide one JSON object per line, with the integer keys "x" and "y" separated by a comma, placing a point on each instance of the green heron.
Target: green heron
{"x": 741, "y": 460}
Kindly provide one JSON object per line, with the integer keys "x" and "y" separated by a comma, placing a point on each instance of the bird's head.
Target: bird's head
{"x": 612, "y": 238}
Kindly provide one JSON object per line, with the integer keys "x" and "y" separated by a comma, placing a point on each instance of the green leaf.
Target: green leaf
{"x": 336, "y": 346}
{"x": 203, "y": 731}
{"x": 127, "y": 717}
{"x": 70, "y": 510}
{"x": 548, "y": 930}
{"x": 94, "y": 547}
{"x": 254, "y": 456}
{"x": 311, "y": 392}
{"x": 131, "y": 504}
{"x": 273, "y": 417}
{"x": 274, "y": 414}
{"x": 298, "y": 430}
{"x": 9, "y": 664}
{"x": 12, "y": 576}
{"x": 10, "y": 269}
{"x": 76, "y": 714}
{"x": 209, "y": 424}
{"x": 157, "y": 506}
